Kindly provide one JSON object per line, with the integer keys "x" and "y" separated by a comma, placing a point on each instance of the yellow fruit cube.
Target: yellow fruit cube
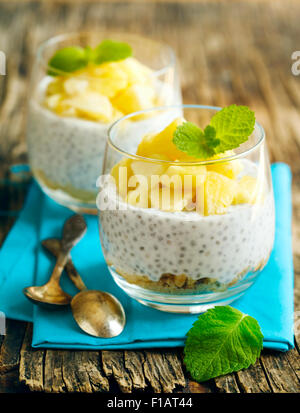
{"x": 64, "y": 110}
{"x": 136, "y": 71}
{"x": 53, "y": 101}
{"x": 55, "y": 86}
{"x": 116, "y": 115}
{"x": 247, "y": 190}
{"x": 134, "y": 98}
{"x": 219, "y": 193}
{"x": 162, "y": 143}
{"x": 108, "y": 79}
{"x": 147, "y": 168}
{"x": 140, "y": 194}
{"x": 74, "y": 86}
{"x": 121, "y": 173}
{"x": 167, "y": 200}
{"x": 190, "y": 178}
{"x": 92, "y": 105}
{"x": 231, "y": 169}
{"x": 138, "y": 197}
{"x": 186, "y": 170}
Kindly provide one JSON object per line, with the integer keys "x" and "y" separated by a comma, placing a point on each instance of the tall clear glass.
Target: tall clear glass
{"x": 67, "y": 127}
{"x": 185, "y": 259}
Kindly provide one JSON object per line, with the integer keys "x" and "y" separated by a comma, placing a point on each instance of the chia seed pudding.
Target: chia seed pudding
{"x": 66, "y": 146}
{"x": 179, "y": 251}
{"x": 66, "y": 154}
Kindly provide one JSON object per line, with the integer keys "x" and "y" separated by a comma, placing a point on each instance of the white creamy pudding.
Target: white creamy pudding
{"x": 65, "y": 154}
{"x": 163, "y": 250}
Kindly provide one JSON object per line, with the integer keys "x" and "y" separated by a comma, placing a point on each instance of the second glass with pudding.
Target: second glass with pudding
{"x": 187, "y": 218}
{"x": 81, "y": 83}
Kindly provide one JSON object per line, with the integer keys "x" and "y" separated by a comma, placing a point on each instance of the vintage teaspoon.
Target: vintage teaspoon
{"x": 51, "y": 293}
{"x": 97, "y": 313}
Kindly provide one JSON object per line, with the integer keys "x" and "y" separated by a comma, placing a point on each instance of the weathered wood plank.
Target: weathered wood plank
{"x": 9, "y": 383}
{"x": 235, "y": 63}
{"x": 11, "y": 345}
{"x": 280, "y": 374}
{"x": 163, "y": 370}
{"x": 114, "y": 367}
{"x": 81, "y": 372}
{"x": 293, "y": 358}
{"x": 134, "y": 362}
{"x": 227, "y": 384}
{"x": 253, "y": 379}
{"x": 31, "y": 370}
{"x": 53, "y": 372}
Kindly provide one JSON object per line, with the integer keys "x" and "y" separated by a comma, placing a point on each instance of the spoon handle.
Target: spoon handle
{"x": 53, "y": 245}
{"x": 74, "y": 229}
{"x": 59, "y": 267}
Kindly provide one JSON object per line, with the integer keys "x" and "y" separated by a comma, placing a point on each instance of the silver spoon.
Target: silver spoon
{"x": 51, "y": 293}
{"x": 97, "y": 313}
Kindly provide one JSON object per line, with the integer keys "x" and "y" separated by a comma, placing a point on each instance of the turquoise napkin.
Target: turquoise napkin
{"x": 23, "y": 262}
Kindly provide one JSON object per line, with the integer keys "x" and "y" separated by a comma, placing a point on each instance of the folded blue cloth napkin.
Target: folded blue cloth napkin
{"x": 23, "y": 262}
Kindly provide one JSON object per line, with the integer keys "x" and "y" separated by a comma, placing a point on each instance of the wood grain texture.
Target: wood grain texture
{"x": 229, "y": 52}
{"x": 11, "y": 345}
{"x": 31, "y": 369}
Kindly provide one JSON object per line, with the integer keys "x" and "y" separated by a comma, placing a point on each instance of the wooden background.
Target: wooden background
{"x": 229, "y": 52}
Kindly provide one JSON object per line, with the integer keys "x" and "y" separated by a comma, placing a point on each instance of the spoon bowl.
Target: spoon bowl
{"x": 98, "y": 313}
{"x": 47, "y": 296}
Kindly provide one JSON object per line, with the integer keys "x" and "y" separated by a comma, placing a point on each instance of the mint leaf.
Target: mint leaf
{"x": 68, "y": 59}
{"x": 228, "y": 128}
{"x": 233, "y": 124}
{"x": 74, "y": 58}
{"x": 189, "y": 138}
{"x": 109, "y": 51}
{"x": 221, "y": 341}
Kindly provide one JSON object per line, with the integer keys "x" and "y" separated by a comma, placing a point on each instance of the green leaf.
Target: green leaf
{"x": 234, "y": 124}
{"x": 109, "y": 51}
{"x": 68, "y": 59}
{"x": 189, "y": 138}
{"x": 228, "y": 128}
{"x": 221, "y": 341}
{"x": 74, "y": 58}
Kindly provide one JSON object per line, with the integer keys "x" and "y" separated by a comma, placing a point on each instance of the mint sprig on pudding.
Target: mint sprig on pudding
{"x": 70, "y": 59}
{"x": 228, "y": 129}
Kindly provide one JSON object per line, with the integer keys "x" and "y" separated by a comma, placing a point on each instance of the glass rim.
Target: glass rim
{"x": 64, "y": 36}
{"x": 184, "y": 163}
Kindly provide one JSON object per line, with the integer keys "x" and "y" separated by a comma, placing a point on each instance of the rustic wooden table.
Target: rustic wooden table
{"x": 230, "y": 52}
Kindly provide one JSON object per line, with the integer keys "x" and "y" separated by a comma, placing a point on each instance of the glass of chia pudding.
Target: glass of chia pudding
{"x": 187, "y": 216}
{"x": 81, "y": 83}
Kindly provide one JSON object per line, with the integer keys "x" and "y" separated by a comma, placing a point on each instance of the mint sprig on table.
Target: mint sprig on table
{"x": 221, "y": 341}
{"x": 228, "y": 129}
{"x": 70, "y": 59}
